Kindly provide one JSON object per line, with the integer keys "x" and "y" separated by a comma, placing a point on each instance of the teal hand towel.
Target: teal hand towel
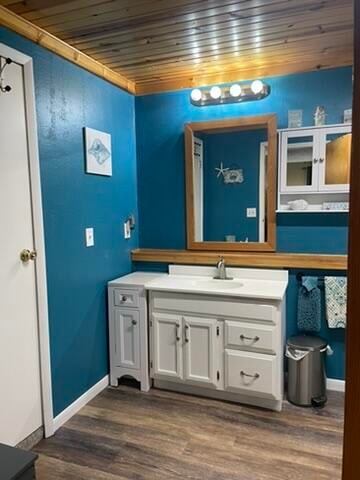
{"x": 309, "y": 305}
{"x": 335, "y": 300}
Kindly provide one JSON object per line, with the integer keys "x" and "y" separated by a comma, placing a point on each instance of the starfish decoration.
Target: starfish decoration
{"x": 221, "y": 170}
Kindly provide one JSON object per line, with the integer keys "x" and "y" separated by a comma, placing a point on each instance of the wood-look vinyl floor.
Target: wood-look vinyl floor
{"x": 126, "y": 434}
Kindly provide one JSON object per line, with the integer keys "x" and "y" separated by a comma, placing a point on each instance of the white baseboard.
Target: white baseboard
{"x": 336, "y": 385}
{"x": 85, "y": 398}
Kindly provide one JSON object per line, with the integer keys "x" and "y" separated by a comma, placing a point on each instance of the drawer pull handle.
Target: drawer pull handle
{"x": 177, "y": 332}
{"x": 134, "y": 322}
{"x": 253, "y": 339}
{"x": 123, "y": 298}
{"x": 256, "y": 376}
{"x": 186, "y": 336}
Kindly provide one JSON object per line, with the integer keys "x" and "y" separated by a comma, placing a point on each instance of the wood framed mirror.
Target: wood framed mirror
{"x": 231, "y": 184}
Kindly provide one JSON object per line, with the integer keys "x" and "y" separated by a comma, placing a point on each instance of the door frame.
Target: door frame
{"x": 38, "y": 230}
{"x": 262, "y": 185}
{"x": 351, "y": 464}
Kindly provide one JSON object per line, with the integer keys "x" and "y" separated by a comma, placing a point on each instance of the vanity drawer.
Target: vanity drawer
{"x": 247, "y": 336}
{"x": 215, "y": 305}
{"x": 126, "y": 298}
{"x": 251, "y": 373}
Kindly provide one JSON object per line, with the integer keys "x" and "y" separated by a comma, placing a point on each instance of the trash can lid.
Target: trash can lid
{"x": 307, "y": 342}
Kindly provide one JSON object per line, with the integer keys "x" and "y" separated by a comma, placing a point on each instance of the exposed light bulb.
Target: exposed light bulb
{"x": 257, "y": 86}
{"x": 215, "y": 92}
{"x": 235, "y": 90}
{"x": 196, "y": 95}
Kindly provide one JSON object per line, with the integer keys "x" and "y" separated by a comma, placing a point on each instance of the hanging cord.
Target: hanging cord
{"x": 4, "y": 88}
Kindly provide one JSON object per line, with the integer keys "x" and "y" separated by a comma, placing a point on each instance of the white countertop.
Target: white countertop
{"x": 247, "y": 288}
{"x": 136, "y": 279}
{"x": 246, "y": 283}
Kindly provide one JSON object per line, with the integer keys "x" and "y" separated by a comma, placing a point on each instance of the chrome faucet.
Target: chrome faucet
{"x": 221, "y": 271}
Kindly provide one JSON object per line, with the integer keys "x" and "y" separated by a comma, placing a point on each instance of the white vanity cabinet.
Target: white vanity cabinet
{"x": 128, "y": 328}
{"x": 314, "y": 165}
{"x": 227, "y": 346}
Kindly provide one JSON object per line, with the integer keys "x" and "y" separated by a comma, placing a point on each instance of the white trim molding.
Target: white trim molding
{"x": 335, "y": 385}
{"x": 40, "y": 265}
{"x": 85, "y": 398}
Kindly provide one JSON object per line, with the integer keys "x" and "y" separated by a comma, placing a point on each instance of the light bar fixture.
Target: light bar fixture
{"x": 235, "y": 93}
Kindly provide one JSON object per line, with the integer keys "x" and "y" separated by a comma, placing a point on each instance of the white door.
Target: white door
{"x": 201, "y": 351}
{"x": 198, "y": 169}
{"x": 20, "y": 397}
{"x": 127, "y": 338}
{"x": 167, "y": 346}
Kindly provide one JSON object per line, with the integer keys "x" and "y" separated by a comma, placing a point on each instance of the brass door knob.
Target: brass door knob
{"x": 26, "y": 255}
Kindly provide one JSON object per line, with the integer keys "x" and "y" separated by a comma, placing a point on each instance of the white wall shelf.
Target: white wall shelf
{"x": 312, "y": 211}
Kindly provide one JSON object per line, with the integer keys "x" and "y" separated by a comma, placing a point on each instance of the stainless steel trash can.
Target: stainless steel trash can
{"x": 306, "y": 370}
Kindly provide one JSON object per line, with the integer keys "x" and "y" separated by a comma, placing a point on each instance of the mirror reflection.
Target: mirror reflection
{"x": 300, "y": 161}
{"x": 229, "y": 169}
{"x": 337, "y": 158}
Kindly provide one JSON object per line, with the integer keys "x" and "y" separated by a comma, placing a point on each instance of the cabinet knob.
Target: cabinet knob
{"x": 123, "y": 298}
{"x": 315, "y": 160}
{"x": 134, "y": 322}
{"x": 321, "y": 160}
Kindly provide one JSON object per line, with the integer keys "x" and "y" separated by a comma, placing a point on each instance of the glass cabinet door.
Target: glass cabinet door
{"x": 299, "y": 161}
{"x": 335, "y": 159}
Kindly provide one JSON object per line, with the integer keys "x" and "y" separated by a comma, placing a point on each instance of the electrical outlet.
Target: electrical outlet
{"x": 251, "y": 212}
{"x": 89, "y": 237}
{"x": 127, "y": 231}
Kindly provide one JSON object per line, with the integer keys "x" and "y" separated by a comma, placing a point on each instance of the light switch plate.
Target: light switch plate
{"x": 251, "y": 212}
{"x": 89, "y": 237}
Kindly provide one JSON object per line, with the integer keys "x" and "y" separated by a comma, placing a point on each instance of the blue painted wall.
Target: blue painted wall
{"x": 225, "y": 204}
{"x": 160, "y": 121}
{"x": 68, "y": 99}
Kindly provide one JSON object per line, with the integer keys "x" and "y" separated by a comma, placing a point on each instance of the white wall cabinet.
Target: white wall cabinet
{"x": 314, "y": 165}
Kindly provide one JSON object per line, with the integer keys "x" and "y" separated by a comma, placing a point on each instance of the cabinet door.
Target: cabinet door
{"x": 167, "y": 346}
{"x": 201, "y": 351}
{"x": 299, "y": 161}
{"x": 127, "y": 338}
{"x": 335, "y": 156}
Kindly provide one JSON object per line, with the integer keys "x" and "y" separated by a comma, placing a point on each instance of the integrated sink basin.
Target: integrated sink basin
{"x": 198, "y": 284}
{"x": 217, "y": 283}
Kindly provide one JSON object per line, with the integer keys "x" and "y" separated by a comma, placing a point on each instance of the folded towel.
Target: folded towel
{"x": 309, "y": 305}
{"x": 335, "y": 300}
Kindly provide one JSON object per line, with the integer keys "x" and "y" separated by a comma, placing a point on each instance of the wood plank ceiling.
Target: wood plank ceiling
{"x": 167, "y": 44}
